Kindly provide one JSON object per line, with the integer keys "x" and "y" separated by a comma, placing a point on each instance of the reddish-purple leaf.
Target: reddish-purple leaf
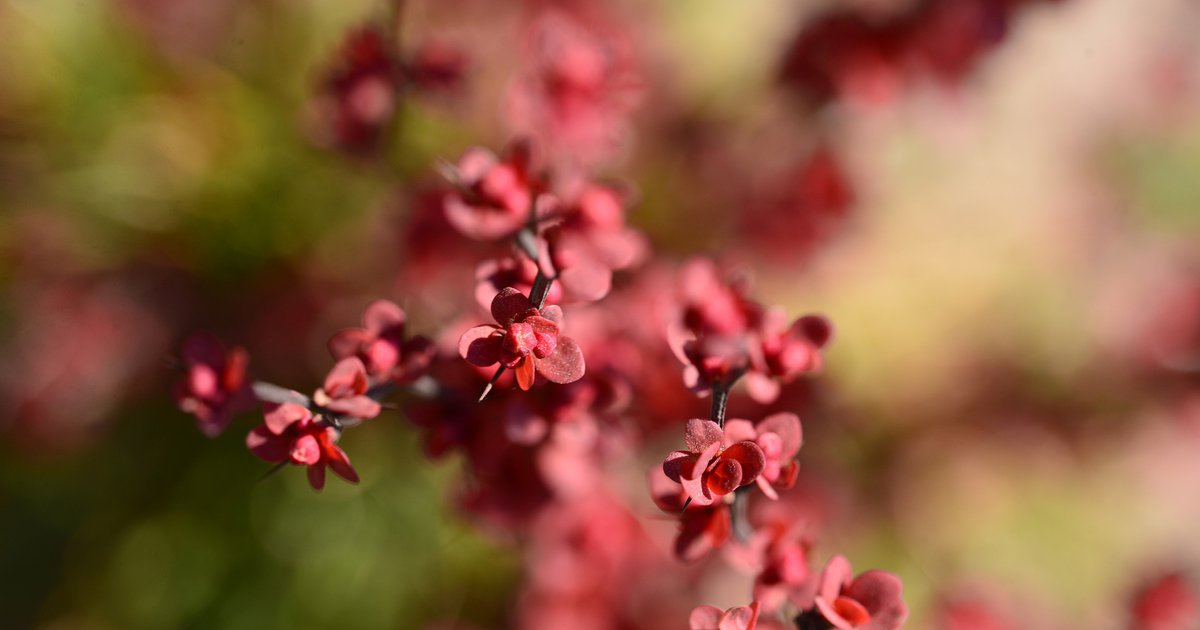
{"x": 481, "y": 345}
{"x": 347, "y": 378}
{"x": 266, "y": 445}
{"x": 565, "y": 364}
{"x": 702, "y": 433}
{"x": 508, "y": 304}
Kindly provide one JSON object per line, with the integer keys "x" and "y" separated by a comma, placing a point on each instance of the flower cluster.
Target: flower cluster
{"x": 552, "y": 235}
{"x": 722, "y": 335}
{"x": 526, "y": 341}
{"x": 361, "y": 92}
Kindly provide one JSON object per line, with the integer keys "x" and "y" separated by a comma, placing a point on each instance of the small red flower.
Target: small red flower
{"x": 592, "y": 241}
{"x": 359, "y": 95}
{"x": 780, "y": 437}
{"x": 215, "y": 385}
{"x": 526, "y": 339}
{"x": 345, "y": 391}
{"x": 290, "y": 433}
{"x": 871, "y": 601}
{"x": 493, "y": 196}
{"x": 714, "y": 338}
{"x": 714, "y": 465}
{"x": 784, "y": 352}
{"x": 381, "y": 346}
{"x": 712, "y": 618}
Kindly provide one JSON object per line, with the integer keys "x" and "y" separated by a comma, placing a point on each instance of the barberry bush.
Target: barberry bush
{"x": 600, "y": 315}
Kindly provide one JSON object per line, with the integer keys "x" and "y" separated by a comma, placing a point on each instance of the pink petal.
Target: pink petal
{"x": 382, "y": 355}
{"x": 346, "y": 343}
{"x": 738, "y": 430}
{"x": 481, "y": 223}
{"x": 835, "y": 576}
{"x": 508, "y": 304}
{"x": 348, "y": 377}
{"x": 565, "y": 364}
{"x": 787, "y": 426}
{"x": 880, "y": 593}
{"x": 305, "y": 450}
{"x": 693, "y": 480}
{"x": 621, "y": 248}
{"x": 761, "y": 387}
{"x": 474, "y": 164}
{"x": 704, "y": 618}
{"x": 767, "y": 488}
{"x": 203, "y": 381}
{"x": 679, "y": 463}
{"x": 701, "y": 433}
{"x": 481, "y": 346}
{"x": 740, "y": 618}
{"x": 266, "y": 445}
{"x": 586, "y": 280}
{"x": 542, "y": 325}
{"x": 280, "y": 417}
{"x": 553, "y": 312}
{"x": 383, "y": 315}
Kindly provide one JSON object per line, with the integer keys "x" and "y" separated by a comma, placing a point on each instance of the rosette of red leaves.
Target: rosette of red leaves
{"x": 290, "y": 433}
{"x": 381, "y": 346}
{"x": 526, "y": 340}
{"x": 215, "y": 385}
{"x": 714, "y": 465}
{"x": 871, "y": 601}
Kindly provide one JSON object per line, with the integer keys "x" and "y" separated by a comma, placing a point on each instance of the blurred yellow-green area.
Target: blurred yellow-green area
{"x": 1009, "y": 396}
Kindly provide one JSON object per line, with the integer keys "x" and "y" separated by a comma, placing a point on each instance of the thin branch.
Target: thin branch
{"x": 720, "y": 398}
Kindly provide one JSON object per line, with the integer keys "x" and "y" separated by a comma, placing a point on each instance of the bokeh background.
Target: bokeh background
{"x": 1011, "y": 258}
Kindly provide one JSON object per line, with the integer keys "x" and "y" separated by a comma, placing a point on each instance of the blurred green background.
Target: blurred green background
{"x": 1020, "y": 259}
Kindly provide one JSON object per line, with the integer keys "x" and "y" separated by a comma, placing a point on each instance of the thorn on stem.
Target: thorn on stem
{"x": 487, "y": 389}
{"x": 274, "y": 469}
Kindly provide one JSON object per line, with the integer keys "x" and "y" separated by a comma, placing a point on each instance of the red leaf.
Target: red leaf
{"x": 565, "y": 364}
{"x": 508, "y": 304}
{"x": 480, "y": 346}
